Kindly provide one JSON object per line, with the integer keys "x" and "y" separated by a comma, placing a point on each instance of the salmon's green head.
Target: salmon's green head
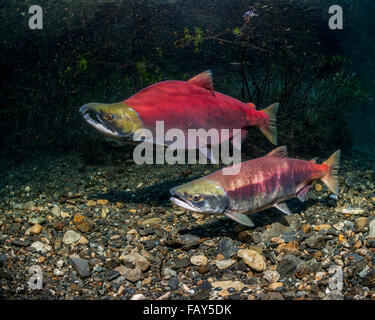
{"x": 202, "y": 195}
{"x": 117, "y": 120}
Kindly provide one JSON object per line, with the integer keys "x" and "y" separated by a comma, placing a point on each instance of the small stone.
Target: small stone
{"x": 173, "y": 283}
{"x": 111, "y": 275}
{"x": 137, "y": 259}
{"x": 102, "y": 201}
{"x": 71, "y": 236}
{"x": 275, "y": 230}
{"x": 83, "y": 241}
{"x": 27, "y": 189}
{"x": 138, "y": 296}
{"x": 353, "y": 211}
{"x": 64, "y": 214}
{"x": 41, "y": 247}
{"x": 271, "y": 276}
{"x": 288, "y": 266}
{"x": 91, "y": 203}
{"x": 60, "y": 263}
{"x": 152, "y": 222}
{"x": 371, "y": 233}
{"x": 369, "y": 279}
{"x": 80, "y": 265}
{"x": 291, "y": 247}
{"x": 20, "y": 243}
{"x": 36, "y": 220}
{"x": 322, "y": 227}
{"x": 56, "y": 211}
{"x": 133, "y": 275}
{"x": 253, "y": 259}
{"x": 275, "y": 296}
{"x": 36, "y": 229}
{"x": 360, "y": 223}
{"x": 29, "y": 205}
{"x": 306, "y": 228}
{"x": 315, "y": 241}
{"x": 82, "y": 223}
{"x": 318, "y": 187}
{"x": 226, "y": 247}
{"x": 224, "y": 264}
{"x": 199, "y": 260}
{"x": 225, "y": 285}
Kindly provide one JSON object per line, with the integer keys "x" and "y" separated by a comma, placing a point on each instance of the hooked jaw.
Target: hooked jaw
{"x": 116, "y": 120}
{"x": 183, "y": 202}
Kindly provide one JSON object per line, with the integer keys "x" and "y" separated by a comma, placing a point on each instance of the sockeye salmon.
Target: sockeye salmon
{"x": 183, "y": 105}
{"x": 260, "y": 184}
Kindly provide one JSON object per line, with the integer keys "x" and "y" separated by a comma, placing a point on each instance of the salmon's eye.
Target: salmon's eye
{"x": 196, "y": 197}
{"x": 109, "y": 117}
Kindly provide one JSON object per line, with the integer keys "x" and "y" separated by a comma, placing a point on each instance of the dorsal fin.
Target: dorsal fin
{"x": 281, "y": 152}
{"x": 252, "y": 105}
{"x": 203, "y": 80}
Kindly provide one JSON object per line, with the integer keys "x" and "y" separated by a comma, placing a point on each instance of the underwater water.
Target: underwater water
{"x": 80, "y": 218}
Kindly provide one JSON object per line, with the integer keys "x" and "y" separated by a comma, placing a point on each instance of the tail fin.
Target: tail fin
{"x": 271, "y": 130}
{"x": 331, "y": 179}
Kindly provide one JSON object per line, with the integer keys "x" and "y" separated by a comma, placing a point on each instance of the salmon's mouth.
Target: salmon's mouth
{"x": 183, "y": 202}
{"x": 95, "y": 119}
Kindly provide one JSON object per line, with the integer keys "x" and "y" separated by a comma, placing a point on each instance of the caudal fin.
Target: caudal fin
{"x": 331, "y": 179}
{"x": 271, "y": 130}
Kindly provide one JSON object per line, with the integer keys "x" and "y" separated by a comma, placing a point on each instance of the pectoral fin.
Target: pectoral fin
{"x": 240, "y": 218}
{"x": 283, "y": 208}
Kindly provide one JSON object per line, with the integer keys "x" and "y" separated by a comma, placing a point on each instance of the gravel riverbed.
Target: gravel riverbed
{"x": 76, "y": 230}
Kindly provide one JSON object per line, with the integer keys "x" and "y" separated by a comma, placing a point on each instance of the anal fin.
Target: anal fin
{"x": 303, "y": 193}
{"x": 283, "y": 208}
{"x": 240, "y": 218}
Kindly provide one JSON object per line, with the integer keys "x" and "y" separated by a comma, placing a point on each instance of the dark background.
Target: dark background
{"x": 105, "y": 51}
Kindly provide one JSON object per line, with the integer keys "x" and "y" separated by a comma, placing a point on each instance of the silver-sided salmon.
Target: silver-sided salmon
{"x": 260, "y": 184}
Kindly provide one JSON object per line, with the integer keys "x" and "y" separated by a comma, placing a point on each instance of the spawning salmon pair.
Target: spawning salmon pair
{"x": 194, "y": 104}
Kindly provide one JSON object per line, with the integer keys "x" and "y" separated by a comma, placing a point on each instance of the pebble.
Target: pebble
{"x": 138, "y": 296}
{"x": 56, "y": 211}
{"x": 41, "y": 247}
{"x": 371, "y": 233}
{"x": 151, "y": 222}
{"x": 82, "y": 223}
{"x": 276, "y": 230}
{"x": 288, "y": 266}
{"x": 70, "y": 237}
{"x": 36, "y": 229}
{"x": 199, "y": 260}
{"x": 224, "y": 264}
{"x": 369, "y": 279}
{"x": 29, "y": 205}
{"x": 353, "y": 211}
{"x": 83, "y": 241}
{"x": 252, "y": 258}
{"x": 226, "y": 247}
{"x": 225, "y": 285}
{"x": 316, "y": 241}
{"x": 173, "y": 283}
{"x": 360, "y": 223}
{"x": 275, "y": 285}
{"x": 137, "y": 259}
{"x": 291, "y": 247}
{"x": 80, "y": 265}
{"x": 271, "y": 276}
